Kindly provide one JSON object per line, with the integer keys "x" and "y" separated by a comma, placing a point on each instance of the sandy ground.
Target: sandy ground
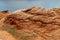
{"x": 4, "y": 35}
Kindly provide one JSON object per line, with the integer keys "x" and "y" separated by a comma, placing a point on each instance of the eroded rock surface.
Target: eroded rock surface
{"x": 4, "y": 13}
{"x": 4, "y": 35}
{"x": 35, "y": 23}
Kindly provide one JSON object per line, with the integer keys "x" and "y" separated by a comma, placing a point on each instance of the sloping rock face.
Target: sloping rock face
{"x": 34, "y": 23}
{"x": 4, "y": 35}
{"x": 4, "y": 13}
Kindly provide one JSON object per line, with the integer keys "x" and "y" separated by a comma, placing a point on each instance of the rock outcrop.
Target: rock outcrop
{"x": 34, "y": 23}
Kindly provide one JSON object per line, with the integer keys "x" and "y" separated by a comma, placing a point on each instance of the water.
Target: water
{"x": 13, "y": 5}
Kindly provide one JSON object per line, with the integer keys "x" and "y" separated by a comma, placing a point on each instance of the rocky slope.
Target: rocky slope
{"x": 34, "y": 23}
